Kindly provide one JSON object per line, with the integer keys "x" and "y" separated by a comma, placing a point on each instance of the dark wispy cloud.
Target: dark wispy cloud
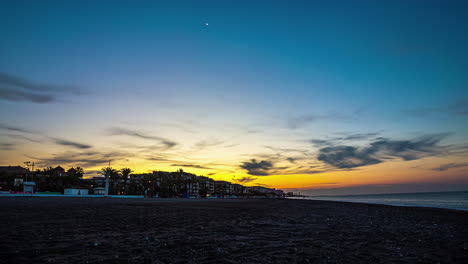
{"x": 158, "y": 158}
{"x": 343, "y": 138}
{"x": 73, "y": 144}
{"x": 459, "y": 107}
{"x": 82, "y": 158}
{"x": 261, "y": 168}
{"x": 245, "y": 179}
{"x": 357, "y": 136}
{"x": 321, "y": 142}
{"x": 190, "y": 166}
{"x": 44, "y": 138}
{"x": 116, "y": 131}
{"x": 15, "y": 95}
{"x": 448, "y": 166}
{"x": 344, "y": 157}
{"x": 21, "y": 137}
{"x": 16, "y": 129}
{"x": 7, "y": 146}
{"x": 14, "y": 88}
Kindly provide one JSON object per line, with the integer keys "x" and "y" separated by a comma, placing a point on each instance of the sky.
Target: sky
{"x": 317, "y": 97}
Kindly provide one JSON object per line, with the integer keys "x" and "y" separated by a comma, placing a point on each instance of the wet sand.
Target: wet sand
{"x": 99, "y": 230}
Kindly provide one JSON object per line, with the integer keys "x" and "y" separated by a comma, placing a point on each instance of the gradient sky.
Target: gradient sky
{"x": 324, "y": 97}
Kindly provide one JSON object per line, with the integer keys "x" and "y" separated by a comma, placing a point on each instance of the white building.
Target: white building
{"x": 28, "y": 187}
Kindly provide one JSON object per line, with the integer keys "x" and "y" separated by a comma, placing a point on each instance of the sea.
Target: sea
{"x": 450, "y": 200}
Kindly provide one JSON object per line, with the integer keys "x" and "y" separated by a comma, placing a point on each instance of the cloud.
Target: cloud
{"x": 21, "y": 137}
{"x": 127, "y": 132}
{"x": 285, "y": 150}
{"x": 190, "y": 166}
{"x": 346, "y": 137}
{"x": 302, "y": 121}
{"x": 321, "y": 142}
{"x": 65, "y": 142}
{"x": 459, "y": 107}
{"x": 82, "y": 159}
{"x": 15, "y": 129}
{"x": 58, "y": 141}
{"x": 245, "y": 179}
{"x": 357, "y": 136}
{"x": 15, "y": 95}
{"x": 257, "y": 168}
{"x": 345, "y": 157}
{"x": 7, "y": 146}
{"x": 157, "y": 158}
{"x": 207, "y": 143}
{"x": 13, "y": 88}
{"x": 448, "y": 166}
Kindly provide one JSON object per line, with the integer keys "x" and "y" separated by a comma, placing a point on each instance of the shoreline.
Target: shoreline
{"x": 218, "y": 199}
{"x": 387, "y": 204}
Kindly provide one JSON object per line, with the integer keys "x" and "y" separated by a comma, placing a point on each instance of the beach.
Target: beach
{"x": 113, "y": 230}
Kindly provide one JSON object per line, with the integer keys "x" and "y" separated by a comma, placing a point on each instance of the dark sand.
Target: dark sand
{"x": 98, "y": 230}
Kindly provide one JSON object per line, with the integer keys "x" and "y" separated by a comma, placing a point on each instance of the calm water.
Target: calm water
{"x": 451, "y": 200}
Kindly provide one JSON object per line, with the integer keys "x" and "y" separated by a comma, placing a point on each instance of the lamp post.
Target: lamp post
{"x": 106, "y": 190}
{"x": 27, "y": 164}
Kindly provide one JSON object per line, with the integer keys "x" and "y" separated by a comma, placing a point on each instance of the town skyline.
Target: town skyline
{"x": 302, "y": 96}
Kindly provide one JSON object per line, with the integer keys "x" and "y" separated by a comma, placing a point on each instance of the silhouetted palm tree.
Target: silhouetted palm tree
{"x": 125, "y": 174}
{"x": 113, "y": 175}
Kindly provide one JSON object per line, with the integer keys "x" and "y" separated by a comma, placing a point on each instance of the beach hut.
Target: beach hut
{"x": 76, "y": 191}
{"x": 28, "y": 187}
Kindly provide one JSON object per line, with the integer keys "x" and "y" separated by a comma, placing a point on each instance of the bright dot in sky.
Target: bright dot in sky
{"x": 206, "y": 24}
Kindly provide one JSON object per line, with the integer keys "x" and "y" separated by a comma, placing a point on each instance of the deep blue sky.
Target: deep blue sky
{"x": 261, "y": 73}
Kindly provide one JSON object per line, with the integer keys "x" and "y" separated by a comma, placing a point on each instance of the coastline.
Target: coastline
{"x": 384, "y": 204}
{"x": 93, "y": 230}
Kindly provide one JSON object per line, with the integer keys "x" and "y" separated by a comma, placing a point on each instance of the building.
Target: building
{"x": 28, "y": 187}
{"x": 75, "y": 191}
{"x": 99, "y": 191}
{"x": 191, "y": 185}
{"x": 206, "y": 185}
{"x": 263, "y": 191}
{"x": 237, "y": 189}
{"x": 223, "y": 188}
{"x": 99, "y": 181}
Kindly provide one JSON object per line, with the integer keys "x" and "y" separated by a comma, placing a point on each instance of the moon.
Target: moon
{"x": 206, "y": 24}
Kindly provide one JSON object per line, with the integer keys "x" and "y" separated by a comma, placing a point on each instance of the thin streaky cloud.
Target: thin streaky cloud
{"x": 65, "y": 142}
{"x": 448, "y": 166}
{"x": 13, "y": 88}
{"x": 16, "y": 129}
{"x": 117, "y": 131}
